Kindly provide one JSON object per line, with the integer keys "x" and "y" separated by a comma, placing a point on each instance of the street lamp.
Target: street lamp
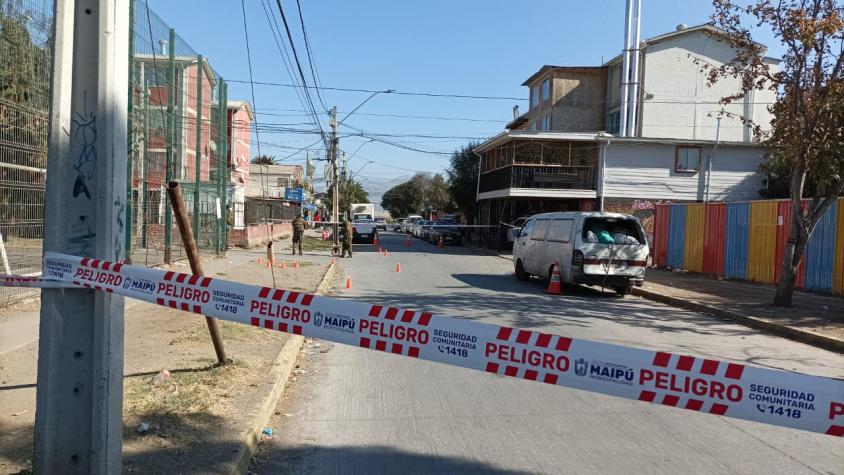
{"x": 385, "y": 91}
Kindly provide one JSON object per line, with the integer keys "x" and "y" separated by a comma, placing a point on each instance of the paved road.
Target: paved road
{"x": 360, "y": 411}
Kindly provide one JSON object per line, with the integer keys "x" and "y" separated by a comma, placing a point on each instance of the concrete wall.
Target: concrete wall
{"x": 646, "y": 171}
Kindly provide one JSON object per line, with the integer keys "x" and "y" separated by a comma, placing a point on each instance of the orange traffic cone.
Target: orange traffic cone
{"x": 375, "y": 240}
{"x": 259, "y": 259}
{"x": 269, "y": 264}
{"x": 348, "y": 282}
{"x": 407, "y": 242}
{"x": 555, "y": 286}
{"x": 333, "y": 261}
{"x": 297, "y": 264}
{"x": 284, "y": 264}
{"x": 440, "y": 243}
{"x": 386, "y": 253}
{"x": 398, "y": 267}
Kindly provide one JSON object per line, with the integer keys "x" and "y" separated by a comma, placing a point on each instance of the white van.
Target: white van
{"x": 606, "y": 249}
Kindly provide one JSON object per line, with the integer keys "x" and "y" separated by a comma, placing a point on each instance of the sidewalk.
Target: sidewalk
{"x": 814, "y": 319}
{"x": 201, "y": 418}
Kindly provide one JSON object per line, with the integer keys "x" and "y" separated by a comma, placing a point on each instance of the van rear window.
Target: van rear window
{"x": 612, "y": 231}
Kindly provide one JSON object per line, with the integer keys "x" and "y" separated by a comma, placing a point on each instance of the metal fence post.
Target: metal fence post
{"x": 224, "y": 160}
{"x": 198, "y": 148}
{"x": 171, "y": 138}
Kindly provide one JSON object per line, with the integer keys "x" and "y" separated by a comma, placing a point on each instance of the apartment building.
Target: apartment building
{"x": 569, "y": 151}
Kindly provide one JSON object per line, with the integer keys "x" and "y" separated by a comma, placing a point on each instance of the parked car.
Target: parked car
{"x": 417, "y": 228}
{"x": 407, "y": 228}
{"x": 364, "y": 230}
{"x": 449, "y": 234}
{"x": 381, "y": 224}
{"x": 606, "y": 249}
{"x": 427, "y": 231}
{"x": 398, "y": 224}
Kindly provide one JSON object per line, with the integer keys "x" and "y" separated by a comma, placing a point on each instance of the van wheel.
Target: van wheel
{"x": 520, "y": 271}
{"x": 624, "y": 290}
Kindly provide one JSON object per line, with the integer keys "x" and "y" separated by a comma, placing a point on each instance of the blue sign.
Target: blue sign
{"x": 293, "y": 194}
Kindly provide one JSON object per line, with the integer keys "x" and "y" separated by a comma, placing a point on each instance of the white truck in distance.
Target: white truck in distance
{"x": 362, "y": 211}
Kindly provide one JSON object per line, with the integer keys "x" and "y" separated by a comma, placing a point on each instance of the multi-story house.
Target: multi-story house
{"x": 567, "y": 152}
{"x": 239, "y": 129}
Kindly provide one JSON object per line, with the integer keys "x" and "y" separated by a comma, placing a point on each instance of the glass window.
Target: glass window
{"x": 612, "y": 231}
{"x": 560, "y": 230}
{"x": 527, "y": 228}
{"x": 546, "y": 89}
{"x": 687, "y": 159}
{"x": 546, "y": 122}
{"x": 534, "y": 96}
{"x": 539, "y": 229}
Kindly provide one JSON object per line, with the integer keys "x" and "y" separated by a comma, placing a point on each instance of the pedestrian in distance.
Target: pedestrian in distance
{"x": 229, "y": 226}
{"x": 298, "y": 232}
{"x": 346, "y": 234}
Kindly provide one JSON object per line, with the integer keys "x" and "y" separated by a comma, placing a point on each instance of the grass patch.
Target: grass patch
{"x": 230, "y": 331}
{"x": 311, "y": 243}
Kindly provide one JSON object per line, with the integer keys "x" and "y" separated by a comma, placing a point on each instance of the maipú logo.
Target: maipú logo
{"x": 580, "y": 367}
{"x": 139, "y": 285}
{"x": 318, "y": 316}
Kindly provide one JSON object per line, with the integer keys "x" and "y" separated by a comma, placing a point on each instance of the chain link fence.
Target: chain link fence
{"x": 177, "y": 132}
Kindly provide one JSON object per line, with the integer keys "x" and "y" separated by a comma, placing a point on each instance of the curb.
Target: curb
{"x": 803, "y": 336}
{"x": 276, "y": 377}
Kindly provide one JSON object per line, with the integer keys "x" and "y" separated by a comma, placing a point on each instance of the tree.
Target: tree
{"x": 265, "y": 160}
{"x": 463, "y": 180}
{"x": 351, "y": 191}
{"x": 807, "y": 138}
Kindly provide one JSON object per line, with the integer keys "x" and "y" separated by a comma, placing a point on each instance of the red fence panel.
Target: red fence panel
{"x": 783, "y": 229}
{"x": 714, "y": 237}
{"x": 660, "y": 241}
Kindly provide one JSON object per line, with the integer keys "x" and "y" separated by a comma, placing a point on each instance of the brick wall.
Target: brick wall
{"x": 259, "y": 234}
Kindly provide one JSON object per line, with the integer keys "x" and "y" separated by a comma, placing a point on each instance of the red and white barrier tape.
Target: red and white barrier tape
{"x": 782, "y": 398}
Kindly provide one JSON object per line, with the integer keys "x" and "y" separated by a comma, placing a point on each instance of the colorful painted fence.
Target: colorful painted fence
{"x": 746, "y": 240}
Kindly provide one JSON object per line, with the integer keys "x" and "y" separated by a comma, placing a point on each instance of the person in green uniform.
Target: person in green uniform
{"x": 298, "y": 232}
{"x": 347, "y": 233}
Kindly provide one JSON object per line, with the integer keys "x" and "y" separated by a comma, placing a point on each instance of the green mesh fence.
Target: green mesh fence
{"x": 177, "y": 133}
{"x": 25, "y": 29}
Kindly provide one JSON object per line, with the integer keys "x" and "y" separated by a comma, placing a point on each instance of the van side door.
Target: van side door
{"x": 560, "y": 245}
{"x": 536, "y": 248}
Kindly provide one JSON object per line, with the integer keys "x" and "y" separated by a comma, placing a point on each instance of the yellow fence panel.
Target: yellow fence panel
{"x": 695, "y": 220}
{"x": 762, "y": 245}
{"x": 838, "y": 278}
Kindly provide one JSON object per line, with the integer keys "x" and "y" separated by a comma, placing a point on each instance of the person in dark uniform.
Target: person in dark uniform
{"x": 347, "y": 233}
{"x": 298, "y": 232}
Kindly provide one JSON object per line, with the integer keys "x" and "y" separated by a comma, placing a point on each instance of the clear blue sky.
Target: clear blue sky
{"x": 476, "y": 47}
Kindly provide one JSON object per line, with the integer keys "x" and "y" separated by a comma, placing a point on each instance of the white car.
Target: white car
{"x": 364, "y": 230}
{"x": 407, "y": 227}
{"x": 606, "y": 249}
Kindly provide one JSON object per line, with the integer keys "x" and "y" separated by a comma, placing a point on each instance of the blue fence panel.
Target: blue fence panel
{"x": 820, "y": 254}
{"x": 735, "y": 249}
{"x": 676, "y": 236}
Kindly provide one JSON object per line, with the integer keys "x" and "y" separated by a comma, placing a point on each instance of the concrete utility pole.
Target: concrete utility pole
{"x": 335, "y": 188}
{"x": 78, "y": 419}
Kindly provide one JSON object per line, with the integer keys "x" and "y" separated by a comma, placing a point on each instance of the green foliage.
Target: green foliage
{"x": 423, "y": 192}
{"x": 463, "y": 180}
{"x": 265, "y": 160}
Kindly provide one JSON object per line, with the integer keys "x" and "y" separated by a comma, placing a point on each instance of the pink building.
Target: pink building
{"x": 239, "y": 130}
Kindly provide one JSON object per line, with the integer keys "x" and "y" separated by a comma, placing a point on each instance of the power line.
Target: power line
{"x": 311, "y": 59}
{"x": 400, "y": 93}
{"x": 402, "y": 116}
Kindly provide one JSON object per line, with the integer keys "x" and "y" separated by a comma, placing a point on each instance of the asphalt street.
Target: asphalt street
{"x": 361, "y": 411}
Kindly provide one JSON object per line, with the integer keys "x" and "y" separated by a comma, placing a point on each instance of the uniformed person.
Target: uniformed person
{"x": 347, "y": 233}
{"x": 298, "y": 232}
{"x": 229, "y": 226}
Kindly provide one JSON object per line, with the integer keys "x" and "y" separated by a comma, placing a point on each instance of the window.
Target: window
{"x": 546, "y": 122}
{"x": 534, "y": 96}
{"x": 533, "y": 125}
{"x": 527, "y": 228}
{"x": 546, "y": 90}
{"x": 612, "y": 122}
{"x": 687, "y": 159}
{"x": 612, "y": 231}
{"x": 560, "y": 230}
{"x": 539, "y": 229}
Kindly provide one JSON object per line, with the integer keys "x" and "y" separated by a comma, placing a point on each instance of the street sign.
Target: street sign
{"x": 293, "y": 194}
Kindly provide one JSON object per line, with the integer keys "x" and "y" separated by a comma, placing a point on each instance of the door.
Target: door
{"x": 559, "y": 245}
{"x": 521, "y": 245}
{"x": 536, "y": 249}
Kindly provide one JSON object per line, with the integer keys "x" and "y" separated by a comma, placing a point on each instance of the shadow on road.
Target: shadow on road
{"x": 365, "y": 460}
